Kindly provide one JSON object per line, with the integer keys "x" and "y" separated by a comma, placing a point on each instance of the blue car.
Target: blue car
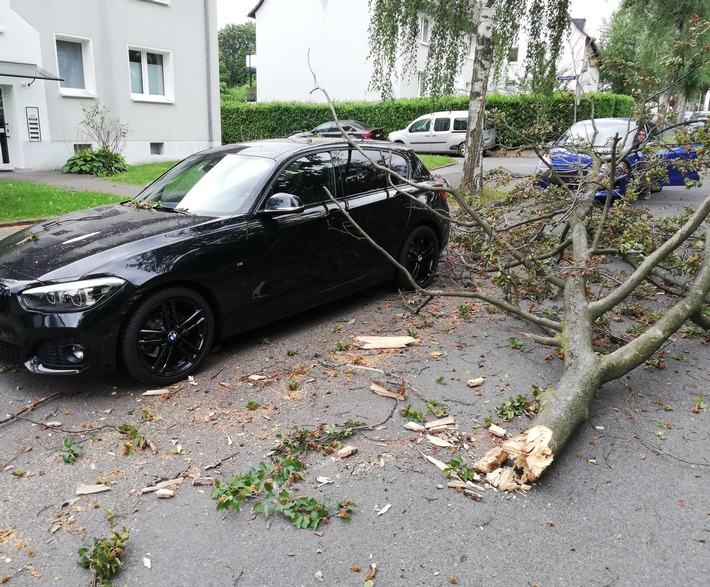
{"x": 567, "y": 163}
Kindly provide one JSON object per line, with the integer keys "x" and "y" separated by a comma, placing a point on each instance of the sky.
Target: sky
{"x": 595, "y": 11}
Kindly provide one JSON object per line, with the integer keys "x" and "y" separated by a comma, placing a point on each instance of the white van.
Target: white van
{"x": 440, "y": 132}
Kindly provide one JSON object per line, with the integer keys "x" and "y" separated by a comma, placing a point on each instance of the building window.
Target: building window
{"x": 156, "y": 148}
{"x": 425, "y": 30}
{"x": 151, "y": 75}
{"x": 513, "y": 54}
{"x": 79, "y": 147}
{"x": 75, "y": 64}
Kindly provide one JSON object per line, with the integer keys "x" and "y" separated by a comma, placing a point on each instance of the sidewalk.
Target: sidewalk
{"x": 71, "y": 181}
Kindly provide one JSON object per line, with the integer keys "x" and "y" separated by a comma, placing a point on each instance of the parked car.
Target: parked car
{"x": 353, "y": 128}
{"x": 700, "y": 116}
{"x": 228, "y": 239}
{"x": 441, "y": 132}
{"x": 567, "y": 163}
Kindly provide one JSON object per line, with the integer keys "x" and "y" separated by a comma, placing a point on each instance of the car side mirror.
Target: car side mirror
{"x": 283, "y": 203}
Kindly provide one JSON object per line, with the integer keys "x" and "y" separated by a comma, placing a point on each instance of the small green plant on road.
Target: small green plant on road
{"x": 103, "y": 559}
{"x": 70, "y": 451}
{"x": 520, "y": 405}
{"x": 324, "y": 439}
{"x": 267, "y": 485}
{"x": 136, "y": 441}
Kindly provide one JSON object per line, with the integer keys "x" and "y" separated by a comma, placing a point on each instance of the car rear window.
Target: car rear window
{"x": 460, "y": 124}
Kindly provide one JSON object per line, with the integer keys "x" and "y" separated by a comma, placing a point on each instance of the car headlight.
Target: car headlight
{"x": 543, "y": 164}
{"x": 74, "y": 296}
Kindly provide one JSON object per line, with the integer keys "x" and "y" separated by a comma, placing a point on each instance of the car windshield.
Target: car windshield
{"x": 215, "y": 184}
{"x": 583, "y": 133}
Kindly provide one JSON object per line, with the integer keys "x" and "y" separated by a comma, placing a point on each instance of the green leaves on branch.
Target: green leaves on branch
{"x": 70, "y": 451}
{"x": 103, "y": 559}
{"x": 266, "y": 485}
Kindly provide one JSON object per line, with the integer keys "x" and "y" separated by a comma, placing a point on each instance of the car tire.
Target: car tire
{"x": 461, "y": 150}
{"x": 167, "y": 336}
{"x": 420, "y": 256}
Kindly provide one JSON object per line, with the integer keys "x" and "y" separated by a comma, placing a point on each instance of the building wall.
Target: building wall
{"x": 575, "y": 60}
{"x": 332, "y": 34}
{"x": 335, "y": 35}
{"x": 187, "y": 121}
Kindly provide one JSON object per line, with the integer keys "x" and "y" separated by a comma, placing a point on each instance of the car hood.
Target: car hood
{"x": 563, "y": 160}
{"x": 79, "y": 244}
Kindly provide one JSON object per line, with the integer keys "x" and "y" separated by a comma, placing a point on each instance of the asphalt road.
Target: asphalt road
{"x": 626, "y": 504}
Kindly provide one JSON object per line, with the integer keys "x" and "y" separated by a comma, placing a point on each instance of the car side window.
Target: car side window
{"x": 420, "y": 125}
{"x": 359, "y": 174}
{"x": 398, "y": 164}
{"x": 441, "y": 124}
{"x": 325, "y": 127}
{"x": 306, "y": 177}
{"x": 460, "y": 124}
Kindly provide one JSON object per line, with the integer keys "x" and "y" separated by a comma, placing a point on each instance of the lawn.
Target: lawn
{"x": 28, "y": 201}
{"x": 141, "y": 174}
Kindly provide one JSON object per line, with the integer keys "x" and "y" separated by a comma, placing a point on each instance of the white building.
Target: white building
{"x": 577, "y": 66}
{"x": 330, "y": 37}
{"x": 153, "y": 63}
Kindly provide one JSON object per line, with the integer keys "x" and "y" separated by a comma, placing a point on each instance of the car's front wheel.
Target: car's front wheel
{"x": 420, "y": 256}
{"x": 167, "y": 336}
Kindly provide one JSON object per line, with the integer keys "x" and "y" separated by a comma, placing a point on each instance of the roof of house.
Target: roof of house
{"x": 252, "y": 12}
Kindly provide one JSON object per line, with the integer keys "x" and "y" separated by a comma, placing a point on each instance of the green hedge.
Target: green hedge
{"x": 244, "y": 121}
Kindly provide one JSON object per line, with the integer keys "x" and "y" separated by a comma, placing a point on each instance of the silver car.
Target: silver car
{"x": 441, "y": 132}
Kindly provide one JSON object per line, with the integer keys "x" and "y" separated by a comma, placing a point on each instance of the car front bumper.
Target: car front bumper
{"x": 67, "y": 343}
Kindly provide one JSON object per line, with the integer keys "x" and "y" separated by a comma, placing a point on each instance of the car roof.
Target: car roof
{"x": 285, "y": 147}
{"x": 447, "y": 113}
{"x": 609, "y": 121}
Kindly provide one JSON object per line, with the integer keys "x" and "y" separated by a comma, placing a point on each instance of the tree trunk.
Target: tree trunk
{"x": 567, "y": 406}
{"x": 482, "y": 61}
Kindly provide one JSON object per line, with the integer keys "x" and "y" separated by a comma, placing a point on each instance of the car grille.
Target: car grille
{"x": 4, "y": 300}
{"x": 10, "y": 354}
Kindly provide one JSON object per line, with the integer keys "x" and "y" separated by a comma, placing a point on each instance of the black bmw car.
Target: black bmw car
{"x": 228, "y": 239}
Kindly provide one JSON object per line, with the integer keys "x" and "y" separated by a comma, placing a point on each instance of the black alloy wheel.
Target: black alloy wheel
{"x": 420, "y": 256}
{"x": 167, "y": 336}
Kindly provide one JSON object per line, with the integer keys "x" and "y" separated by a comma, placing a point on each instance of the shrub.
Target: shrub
{"x": 242, "y": 121}
{"x": 101, "y": 162}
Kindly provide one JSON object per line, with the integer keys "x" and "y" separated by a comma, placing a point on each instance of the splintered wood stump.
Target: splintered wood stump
{"x": 530, "y": 453}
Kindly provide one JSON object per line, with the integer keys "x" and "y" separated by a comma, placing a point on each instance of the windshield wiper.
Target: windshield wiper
{"x": 163, "y": 208}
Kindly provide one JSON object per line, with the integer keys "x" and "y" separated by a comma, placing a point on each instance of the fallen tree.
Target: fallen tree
{"x": 534, "y": 248}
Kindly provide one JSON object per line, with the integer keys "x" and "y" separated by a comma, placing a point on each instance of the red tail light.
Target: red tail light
{"x": 367, "y": 135}
{"x": 443, "y": 195}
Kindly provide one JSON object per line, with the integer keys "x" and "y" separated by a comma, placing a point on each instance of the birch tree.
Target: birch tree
{"x": 491, "y": 26}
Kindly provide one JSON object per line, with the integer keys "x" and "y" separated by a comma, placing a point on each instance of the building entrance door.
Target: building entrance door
{"x": 4, "y": 150}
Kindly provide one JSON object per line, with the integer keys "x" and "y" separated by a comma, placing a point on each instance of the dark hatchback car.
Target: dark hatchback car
{"x": 228, "y": 239}
{"x": 353, "y": 128}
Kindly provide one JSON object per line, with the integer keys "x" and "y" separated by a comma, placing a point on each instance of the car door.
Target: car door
{"x": 380, "y": 211}
{"x": 418, "y": 137}
{"x": 680, "y": 155}
{"x": 440, "y": 134}
{"x": 295, "y": 256}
